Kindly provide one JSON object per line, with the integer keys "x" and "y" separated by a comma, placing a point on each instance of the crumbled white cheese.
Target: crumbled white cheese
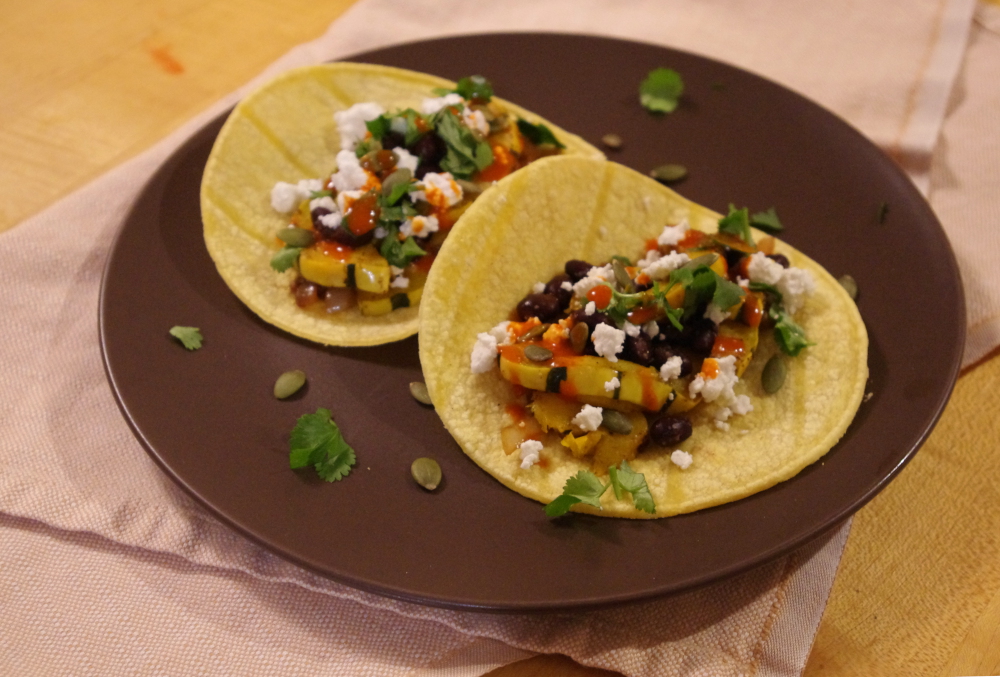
{"x": 721, "y": 386}
{"x": 612, "y": 385}
{"x": 351, "y": 123}
{"x": 795, "y": 285}
{"x": 395, "y": 271}
{"x": 566, "y": 286}
{"x": 651, "y": 329}
{"x": 441, "y": 190}
{"x": 398, "y": 125}
{"x": 331, "y": 220}
{"x": 659, "y": 266}
{"x": 380, "y": 232}
{"x": 530, "y": 451}
{"x": 741, "y": 406}
{"x": 589, "y": 418}
{"x": 406, "y": 159}
{"x": 325, "y": 202}
{"x": 538, "y": 287}
{"x": 631, "y": 329}
{"x": 681, "y": 459}
{"x": 400, "y": 282}
{"x": 431, "y": 106}
{"x": 595, "y": 276}
{"x": 285, "y": 197}
{"x": 590, "y": 308}
{"x": 671, "y": 369}
{"x": 419, "y": 226}
{"x": 484, "y": 353}
{"x": 474, "y": 119}
{"x": 608, "y": 341}
{"x": 762, "y": 269}
{"x": 715, "y": 313}
{"x": 349, "y": 175}
{"x": 501, "y": 333}
{"x": 346, "y": 198}
{"x": 671, "y": 235}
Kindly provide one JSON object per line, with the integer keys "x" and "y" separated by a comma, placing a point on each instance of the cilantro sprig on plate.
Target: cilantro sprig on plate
{"x": 586, "y": 487}
{"x": 661, "y": 91}
{"x": 316, "y": 441}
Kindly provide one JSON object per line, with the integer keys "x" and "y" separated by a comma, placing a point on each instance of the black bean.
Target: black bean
{"x": 703, "y": 336}
{"x": 668, "y": 431}
{"x": 543, "y": 306}
{"x": 780, "y": 258}
{"x": 733, "y": 257}
{"x": 430, "y": 148}
{"x": 577, "y": 270}
{"x": 392, "y": 140}
{"x": 639, "y": 349}
{"x": 593, "y": 320}
{"x": 663, "y": 352}
{"x": 554, "y": 287}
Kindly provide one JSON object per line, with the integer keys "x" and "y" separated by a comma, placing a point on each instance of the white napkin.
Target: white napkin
{"x": 72, "y": 474}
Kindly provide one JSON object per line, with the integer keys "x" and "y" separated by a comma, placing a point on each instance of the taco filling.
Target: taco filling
{"x": 617, "y": 337}
{"x": 366, "y": 235}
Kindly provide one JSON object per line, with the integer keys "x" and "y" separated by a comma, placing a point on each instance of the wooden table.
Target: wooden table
{"x": 86, "y": 86}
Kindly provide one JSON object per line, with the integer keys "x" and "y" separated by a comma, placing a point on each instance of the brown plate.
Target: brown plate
{"x": 209, "y": 418}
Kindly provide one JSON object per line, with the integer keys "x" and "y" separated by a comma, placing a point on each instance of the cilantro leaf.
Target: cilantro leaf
{"x": 285, "y": 258}
{"x": 466, "y": 153}
{"x": 367, "y": 146}
{"x": 625, "y": 479}
{"x": 584, "y": 487}
{"x": 316, "y": 441}
{"x": 791, "y": 337}
{"x": 378, "y": 127}
{"x": 190, "y": 337}
{"x": 767, "y": 288}
{"x": 413, "y": 130}
{"x": 474, "y": 87}
{"x": 737, "y": 223}
{"x": 397, "y": 253}
{"x": 539, "y": 134}
{"x": 661, "y": 91}
{"x": 767, "y": 221}
{"x": 727, "y": 294}
{"x": 316, "y": 194}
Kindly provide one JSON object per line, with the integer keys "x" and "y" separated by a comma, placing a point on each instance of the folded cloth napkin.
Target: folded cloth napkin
{"x": 72, "y": 475}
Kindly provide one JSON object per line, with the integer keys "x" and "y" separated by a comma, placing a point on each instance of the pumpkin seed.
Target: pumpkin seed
{"x": 538, "y": 354}
{"x": 400, "y": 176}
{"x": 616, "y": 422}
{"x": 849, "y": 285}
{"x": 669, "y": 173}
{"x": 533, "y": 333}
{"x": 578, "y": 336}
{"x": 773, "y": 376}
{"x": 621, "y": 276}
{"x": 612, "y": 141}
{"x": 296, "y": 237}
{"x": 419, "y": 391}
{"x": 426, "y": 472}
{"x": 289, "y": 383}
{"x": 471, "y": 187}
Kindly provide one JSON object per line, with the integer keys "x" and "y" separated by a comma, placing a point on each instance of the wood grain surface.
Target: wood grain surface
{"x": 85, "y": 86}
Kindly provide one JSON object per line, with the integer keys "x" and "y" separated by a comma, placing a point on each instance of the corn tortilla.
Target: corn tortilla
{"x": 565, "y": 208}
{"x": 285, "y": 131}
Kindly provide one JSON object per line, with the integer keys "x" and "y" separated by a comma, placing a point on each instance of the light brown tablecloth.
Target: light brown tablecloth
{"x": 99, "y": 541}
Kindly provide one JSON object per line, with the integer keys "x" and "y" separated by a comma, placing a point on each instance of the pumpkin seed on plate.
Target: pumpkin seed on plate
{"x": 621, "y": 276}
{"x": 426, "y": 472}
{"x": 616, "y": 422}
{"x": 578, "y": 336}
{"x": 612, "y": 141}
{"x": 538, "y": 353}
{"x": 419, "y": 391}
{"x": 773, "y": 376}
{"x": 534, "y": 333}
{"x": 289, "y": 383}
{"x": 849, "y": 285}
{"x": 668, "y": 173}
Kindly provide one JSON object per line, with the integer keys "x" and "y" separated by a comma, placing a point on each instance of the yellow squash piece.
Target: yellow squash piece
{"x": 382, "y": 304}
{"x": 363, "y": 269}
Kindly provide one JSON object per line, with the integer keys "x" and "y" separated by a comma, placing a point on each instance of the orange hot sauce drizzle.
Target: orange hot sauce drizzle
{"x": 600, "y": 295}
{"x": 728, "y": 345}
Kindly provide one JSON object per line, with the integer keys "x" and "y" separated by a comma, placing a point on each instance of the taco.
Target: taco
{"x": 329, "y": 191}
{"x": 616, "y": 337}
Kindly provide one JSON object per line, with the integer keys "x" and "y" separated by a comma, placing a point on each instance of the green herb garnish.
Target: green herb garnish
{"x": 378, "y": 127}
{"x": 737, "y": 223}
{"x": 285, "y": 258}
{"x": 883, "y": 211}
{"x": 474, "y": 87}
{"x": 397, "y": 253}
{"x": 190, "y": 337}
{"x": 316, "y": 441}
{"x": 585, "y": 487}
{"x": 539, "y": 134}
{"x": 661, "y": 91}
{"x": 790, "y": 337}
{"x": 767, "y": 221}
{"x": 466, "y": 152}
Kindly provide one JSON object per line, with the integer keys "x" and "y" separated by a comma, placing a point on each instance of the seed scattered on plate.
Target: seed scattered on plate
{"x": 289, "y": 383}
{"x": 773, "y": 376}
{"x": 538, "y": 353}
{"x": 612, "y": 141}
{"x": 669, "y": 173}
{"x": 849, "y": 285}
{"x": 426, "y": 472}
{"x": 419, "y": 391}
{"x": 616, "y": 422}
